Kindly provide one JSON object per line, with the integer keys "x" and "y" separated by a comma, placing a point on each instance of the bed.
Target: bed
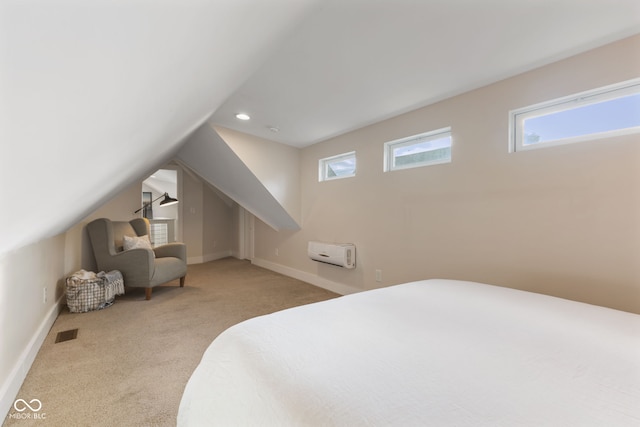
{"x": 427, "y": 353}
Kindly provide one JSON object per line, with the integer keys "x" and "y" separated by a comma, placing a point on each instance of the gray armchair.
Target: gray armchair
{"x": 139, "y": 267}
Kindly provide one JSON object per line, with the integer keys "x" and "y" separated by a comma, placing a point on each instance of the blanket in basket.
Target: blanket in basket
{"x": 87, "y": 291}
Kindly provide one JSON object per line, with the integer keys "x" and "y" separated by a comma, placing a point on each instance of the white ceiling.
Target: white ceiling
{"x": 355, "y": 62}
{"x": 96, "y": 95}
{"x": 162, "y": 181}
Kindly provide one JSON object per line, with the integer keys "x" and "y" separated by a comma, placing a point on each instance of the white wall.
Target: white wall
{"x": 561, "y": 221}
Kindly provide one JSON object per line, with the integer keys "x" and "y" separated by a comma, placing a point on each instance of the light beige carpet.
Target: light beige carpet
{"x": 130, "y": 362}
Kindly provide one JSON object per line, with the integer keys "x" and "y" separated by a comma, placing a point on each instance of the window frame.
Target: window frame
{"x": 323, "y": 166}
{"x": 518, "y": 116}
{"x": 389, "y": 158}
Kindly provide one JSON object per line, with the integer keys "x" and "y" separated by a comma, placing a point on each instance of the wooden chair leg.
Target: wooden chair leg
{"x": 182, "y": 281}
{"x": 147, "y": 293}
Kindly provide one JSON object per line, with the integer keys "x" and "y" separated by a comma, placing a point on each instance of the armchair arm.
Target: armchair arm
{"x": 136, "y": 265}
{"x": 178, "y": 250}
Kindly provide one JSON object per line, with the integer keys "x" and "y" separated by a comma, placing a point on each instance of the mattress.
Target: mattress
{"x": 433, "y": 352}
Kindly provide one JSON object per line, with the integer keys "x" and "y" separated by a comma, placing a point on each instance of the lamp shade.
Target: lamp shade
{"x": 168, "y": 200}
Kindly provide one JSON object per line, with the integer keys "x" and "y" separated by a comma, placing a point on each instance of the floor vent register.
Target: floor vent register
{"x": 69, "y": 335}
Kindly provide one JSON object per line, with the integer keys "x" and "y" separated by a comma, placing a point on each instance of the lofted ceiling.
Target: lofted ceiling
{"x": 355, "y": 62}
{"x": 96, "y": 95}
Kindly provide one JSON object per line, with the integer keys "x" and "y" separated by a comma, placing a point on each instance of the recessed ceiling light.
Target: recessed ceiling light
{"x": 242, "y": 116}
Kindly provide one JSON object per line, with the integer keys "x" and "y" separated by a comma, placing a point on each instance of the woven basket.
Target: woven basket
{"x": 89, "y": 294}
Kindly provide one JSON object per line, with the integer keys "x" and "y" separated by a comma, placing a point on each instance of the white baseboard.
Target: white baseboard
{"x": 11, "y": 387}
{"x": 208, "y": 257}
{"x": 314, "y": 279}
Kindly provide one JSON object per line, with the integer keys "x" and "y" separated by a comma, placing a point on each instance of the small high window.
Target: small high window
{"x": 595, "y": 114}
{"x": 429, "y": 148}
{"x": 335, "y": 167}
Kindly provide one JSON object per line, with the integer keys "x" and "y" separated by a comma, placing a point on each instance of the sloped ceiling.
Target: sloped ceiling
{"x": 95, "y": 95}
{"x": 209, "y": 156}
{"x": 357, "y": 62}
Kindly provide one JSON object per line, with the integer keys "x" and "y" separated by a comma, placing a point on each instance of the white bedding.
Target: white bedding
{"x": 429, "y": 353}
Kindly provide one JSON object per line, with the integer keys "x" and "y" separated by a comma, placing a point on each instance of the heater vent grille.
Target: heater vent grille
{"x": 69, "y": 335}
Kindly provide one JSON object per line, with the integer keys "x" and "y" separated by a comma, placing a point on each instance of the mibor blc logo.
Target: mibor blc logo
{"x": 28, "y": 410}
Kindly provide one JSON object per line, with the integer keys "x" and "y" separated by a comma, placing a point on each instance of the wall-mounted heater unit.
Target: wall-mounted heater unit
{"x": 340, "y": 254}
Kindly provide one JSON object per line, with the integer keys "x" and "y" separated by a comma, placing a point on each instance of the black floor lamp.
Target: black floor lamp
{"x": 168, "y": 200}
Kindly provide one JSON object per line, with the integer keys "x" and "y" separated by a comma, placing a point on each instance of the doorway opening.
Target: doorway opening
{"x": 164, "y": 220}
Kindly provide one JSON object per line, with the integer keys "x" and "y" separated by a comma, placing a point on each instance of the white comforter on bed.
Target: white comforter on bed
{"x": 429, "y": 353}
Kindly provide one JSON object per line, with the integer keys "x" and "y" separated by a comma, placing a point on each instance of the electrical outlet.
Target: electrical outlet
{"x": 277, "y": 252}
{"x": 44, "y": 295}
{"x": 378, "y": 275}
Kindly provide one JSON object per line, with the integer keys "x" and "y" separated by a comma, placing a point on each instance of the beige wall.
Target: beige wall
{"x": 277, "y": 166}
{"x": 120, "y": 208}
{"x": 236, "y": 233}
{"x": 217, "y": 226}
{"x": 563, "y": 221}
{"x": 25, "y": 319}
{"x": 204, "y": 217}
{"x": 193, "y": 216}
